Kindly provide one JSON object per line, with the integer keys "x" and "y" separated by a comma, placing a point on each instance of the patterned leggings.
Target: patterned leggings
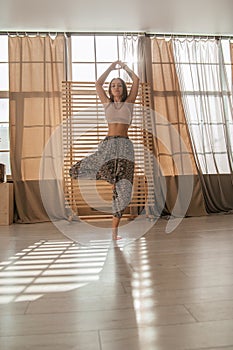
{"x": 114, "y": 163}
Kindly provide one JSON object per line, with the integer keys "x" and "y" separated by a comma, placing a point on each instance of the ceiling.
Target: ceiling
{"x": 200, "y": 17}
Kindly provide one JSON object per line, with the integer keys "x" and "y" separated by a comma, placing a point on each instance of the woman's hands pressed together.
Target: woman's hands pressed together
{"x": 117, "y": 65}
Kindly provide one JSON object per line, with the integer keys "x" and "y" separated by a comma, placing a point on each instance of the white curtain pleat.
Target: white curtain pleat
{"x": 130, "y": 54}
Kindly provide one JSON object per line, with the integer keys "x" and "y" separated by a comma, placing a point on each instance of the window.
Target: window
{"x": 92, "y": 55}
{"x": 4, "y": 104}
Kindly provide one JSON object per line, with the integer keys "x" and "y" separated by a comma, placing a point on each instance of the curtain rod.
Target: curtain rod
{"x": 20, "y": 32}
{"x": 189, "y": 35}
{"x": 147, "y": 34}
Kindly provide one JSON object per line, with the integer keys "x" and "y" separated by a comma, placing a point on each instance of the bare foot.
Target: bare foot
{"x": 116, "y": 237}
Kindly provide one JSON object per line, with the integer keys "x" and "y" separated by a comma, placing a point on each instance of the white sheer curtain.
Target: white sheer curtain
{"x": 136, "y": 53}
{"x": 203, "y": 73}
{"x": 207, "y": 100}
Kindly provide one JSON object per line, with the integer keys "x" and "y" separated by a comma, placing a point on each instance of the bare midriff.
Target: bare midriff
{"x": 118, "y": 129}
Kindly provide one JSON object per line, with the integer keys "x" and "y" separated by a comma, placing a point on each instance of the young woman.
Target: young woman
{"x": 114, "y": 159}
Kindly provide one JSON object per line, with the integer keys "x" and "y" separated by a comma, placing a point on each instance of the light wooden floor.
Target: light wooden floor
{"x": 162, "y": 292}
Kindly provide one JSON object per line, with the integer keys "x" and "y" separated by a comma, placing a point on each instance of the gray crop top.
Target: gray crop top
{"x": 118, "y": 112}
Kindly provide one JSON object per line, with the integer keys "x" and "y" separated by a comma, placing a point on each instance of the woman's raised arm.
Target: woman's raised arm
{"x": 100, "y": 81}
{"x": 134, "y": 88}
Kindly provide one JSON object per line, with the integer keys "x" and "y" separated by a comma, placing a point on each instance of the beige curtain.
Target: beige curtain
{"x": 36, "y": 69}
{"x": 172, "y": 143}
{"x": 145, "y": 60}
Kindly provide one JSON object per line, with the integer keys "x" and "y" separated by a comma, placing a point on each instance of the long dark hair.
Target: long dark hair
{"x": 125, "y": 91}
